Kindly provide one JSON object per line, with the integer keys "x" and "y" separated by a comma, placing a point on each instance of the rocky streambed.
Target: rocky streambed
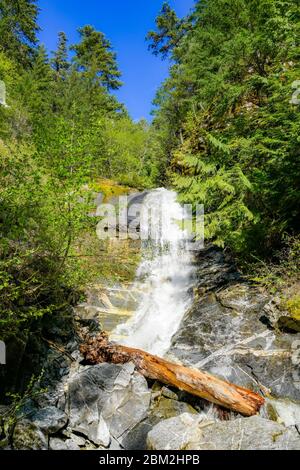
{"x": 231, "y": 330}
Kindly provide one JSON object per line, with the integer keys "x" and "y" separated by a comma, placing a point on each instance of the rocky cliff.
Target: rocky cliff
{"x": 231, "y": 331}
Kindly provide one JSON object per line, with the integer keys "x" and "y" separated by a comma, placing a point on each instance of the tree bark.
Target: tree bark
{"x": 202, "y": 384}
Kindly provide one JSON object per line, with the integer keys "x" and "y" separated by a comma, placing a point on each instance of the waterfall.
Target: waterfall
{"x": 165, "y": 277}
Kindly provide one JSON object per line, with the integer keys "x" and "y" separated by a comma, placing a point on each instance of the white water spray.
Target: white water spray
{"x": 166, "y": 277}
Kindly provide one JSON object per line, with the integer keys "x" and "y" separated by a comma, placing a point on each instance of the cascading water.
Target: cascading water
{"x": 165, "y": 277}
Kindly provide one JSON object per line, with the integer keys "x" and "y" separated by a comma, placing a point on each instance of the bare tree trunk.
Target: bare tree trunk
{"x": 99, "y": 349}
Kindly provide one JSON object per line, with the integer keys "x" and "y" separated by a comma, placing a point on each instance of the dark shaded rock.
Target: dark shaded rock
{"x": 136, "y": 439}
{"x": 11, "y": 374}
{"x": 50, "y": 419}
{"x": 215, "y": 269}
{"x": 279, "y": 318}
{"x": 59, "y": 327}
{"x": 289, "y": 324}
{"x": 29, "y": 352}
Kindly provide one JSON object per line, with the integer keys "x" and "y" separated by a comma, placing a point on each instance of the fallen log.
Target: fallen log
{"x": 201, "y": 384}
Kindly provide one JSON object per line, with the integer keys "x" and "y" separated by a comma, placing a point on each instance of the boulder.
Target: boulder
{"x": 107, "y": 401}
{"x": 50, "y": 419}
{"x": 189, "y": 432}
{"x": 79, "y": 440}
{"x": 128, "y": 403}
{"x": 28, "y": 436}
{"x": 161, "y": 408}
{"x": 60, "y": 444}
{"x": 253, "y": 433}
{"x": 179, "y": 433}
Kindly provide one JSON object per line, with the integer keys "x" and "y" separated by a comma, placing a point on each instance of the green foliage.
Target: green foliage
{"x": 63, "y": 130}
{"x": 14, "y": 413}
{"x": 126, "y": 153}
{"x": 280, "y": 274}
{"x": 95, "y": 58}
{"x": 170, "y": 30}
{"x": 230, "y": 129}
{"x": 60, "y": 59}
{"x": 18, "y": 29}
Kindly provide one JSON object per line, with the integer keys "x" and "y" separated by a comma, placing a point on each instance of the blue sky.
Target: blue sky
{"x": 125, "y": 23}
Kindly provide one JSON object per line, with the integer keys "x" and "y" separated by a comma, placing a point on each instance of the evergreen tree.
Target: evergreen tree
{"x": 60, "y": 62}
{"x": 40, "y": 84}
{"x": 170, "y": 31}
{"x": 18, "y": 29}
{"x": 94, "y": 57}
{"x": 226, "y": 110}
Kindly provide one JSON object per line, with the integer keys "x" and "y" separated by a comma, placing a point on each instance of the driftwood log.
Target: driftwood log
{"x": 201, "y": 384}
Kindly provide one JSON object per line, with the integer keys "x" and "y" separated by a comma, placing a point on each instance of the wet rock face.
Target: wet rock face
{"x": 215, "y": 269}
{"x": 106, "y": 307}
{"x": 227, "y": 332}
{"x": 191, "y": 433}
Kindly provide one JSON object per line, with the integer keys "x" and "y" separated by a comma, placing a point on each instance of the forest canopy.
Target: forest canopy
{"x": 227, "y": 121}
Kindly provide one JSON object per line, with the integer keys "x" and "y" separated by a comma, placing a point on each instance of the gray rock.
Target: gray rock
{"x": 253, "y": 433}
{"x": 215, "y": 269}
{"x": 28, "y": 436}
{"x": 166, "y": 392}
{"x": 87, "y": 393}
{"x": 191, "y": 433}
{"x": 107, "y": 401}
{"x": 60, "y": 444}
{"x": 284, "y": 411}
{"x": 50, "y": 419}
{"x": 226, "y": 332}
{"x": 115, "y": 445}
{"x": 165, "y": 408}
{"x": 164, "y": 404}
{"x": 128, "y": 403}
{"x": 79, "y": 440}
{"x": 273, "y": 311}
{"x": 161, "y": 409}
{"x": 179, "y": 433}
{"x": 137, "y": 437}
